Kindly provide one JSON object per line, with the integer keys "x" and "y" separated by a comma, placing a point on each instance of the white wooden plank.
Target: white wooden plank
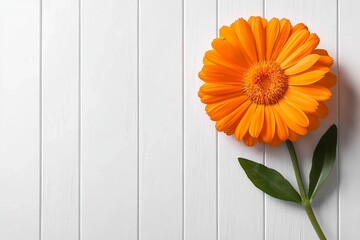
{"x": 240, "y": 203}
{"x": 19, "y": 119}
{"x": 160, "y": 76}
{"x": 349, "y": 116}
{"x": 109, "y": 120}
{"x": 285, "y": 220}
{"x": 60, "y": 75}
{"x": 200, "y": 204}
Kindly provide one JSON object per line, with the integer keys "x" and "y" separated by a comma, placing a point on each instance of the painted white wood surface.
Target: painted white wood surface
{"x": 108, "y": 178}
{"x": 349, "y": 116}
{"x": 60, "y": 120}
{"x": 200, "y": 143}
{"x": 161, "y": 119}
{"x": 20, "y": 120}
{"x": 103, "y": 135}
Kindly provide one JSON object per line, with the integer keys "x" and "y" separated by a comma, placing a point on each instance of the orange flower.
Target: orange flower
{"x": 266, "y": 81}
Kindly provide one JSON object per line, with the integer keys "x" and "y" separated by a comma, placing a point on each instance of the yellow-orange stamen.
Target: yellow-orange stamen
{"x": 265, "y": 83}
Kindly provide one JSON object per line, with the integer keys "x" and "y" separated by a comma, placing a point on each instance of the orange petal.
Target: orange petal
{"x": 313, "y": 37}
{"x": 290, "y": 120}
{"x": 230, "y": 36}
{"x": 329, "y": 80}
{"x": 295, "y": 40}
{"x": 220, "y": 70}
{"x": 322, "y": 110}
{"x": 219, "y": 110}
{"x": 318, "y": 92}
{"x": 303, "y": 64}
{"x": 264, "y": 22}
{"x": 325, "y": 61}
{"x": 313, "y": 122}
{"x": 300, "y": 52}
{"x": 321, "y": 52}
{"x": 282, "y": 130}
{"x": 208, "y": 99}
{"x": 294, "y": 113}
{"x": 228, "y": 52}
{"x": 246, "y": 39}
{"x": 214, "y": 57}
{"x": 283, "y": 36}
{"x": 302, "y": 101}
{"x": 275, "y": 141}
{"x": 268, "y": 131}
{"x": 259, "y": 35}
{"x": 231, "y": 121}
{"x": 306, "y": 78}
{"x": 293, "y": 136}
{"x": 272, "y": 32}
{"x": 244, "y": 124}
{"x": 251, "y": 20}
{"x": 318, "y": 67}
{"x": 249, "y": 140}
{"x": 213, "y": 78}
{"x": 298, "y": 27}
{"x": 220, "y": 89}
{"x": 257, "y": 121}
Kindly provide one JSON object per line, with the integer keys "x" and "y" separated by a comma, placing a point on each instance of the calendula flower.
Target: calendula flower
{"x": 266, "y": 81}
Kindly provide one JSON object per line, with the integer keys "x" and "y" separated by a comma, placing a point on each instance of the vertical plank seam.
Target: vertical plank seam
{"x": 40, "y": 125}
{"x": 138, "y": 116}
{"x": 183, "y": 117}
{"x": 264, "y": 10}
{"x": 338, "y": 110}
{"x": 79, "y": 125}
{"x": 217, "y": 143}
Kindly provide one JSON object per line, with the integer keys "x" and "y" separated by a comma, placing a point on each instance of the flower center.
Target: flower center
{"x": 265, "y": 83}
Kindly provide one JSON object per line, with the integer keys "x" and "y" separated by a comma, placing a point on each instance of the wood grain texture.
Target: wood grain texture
{"x": 349, "y": 116}
{"x": 240, "y": 203}
{"x": 200, "y": 153}
{"x": 284, "y": 220}
{"x": 161, "y": 120}
{"x": 108, "y": 120}
{"x": 60, "y": 75}
{"x": 19, "y": 119}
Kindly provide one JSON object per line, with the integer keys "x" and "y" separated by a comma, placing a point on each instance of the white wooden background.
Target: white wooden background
{"x": 103, "y": 137}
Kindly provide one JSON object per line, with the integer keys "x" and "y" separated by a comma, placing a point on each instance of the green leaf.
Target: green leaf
{"x": 323, "y": 160}
{"x": 269, "y": 181}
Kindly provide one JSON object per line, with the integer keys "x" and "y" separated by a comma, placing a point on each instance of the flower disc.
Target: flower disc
{"x": 265, "y": 83}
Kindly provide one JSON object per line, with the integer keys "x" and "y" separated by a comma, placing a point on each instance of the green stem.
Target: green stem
{"x": 314, "y": 221}
{"x": 305, "y": 200}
